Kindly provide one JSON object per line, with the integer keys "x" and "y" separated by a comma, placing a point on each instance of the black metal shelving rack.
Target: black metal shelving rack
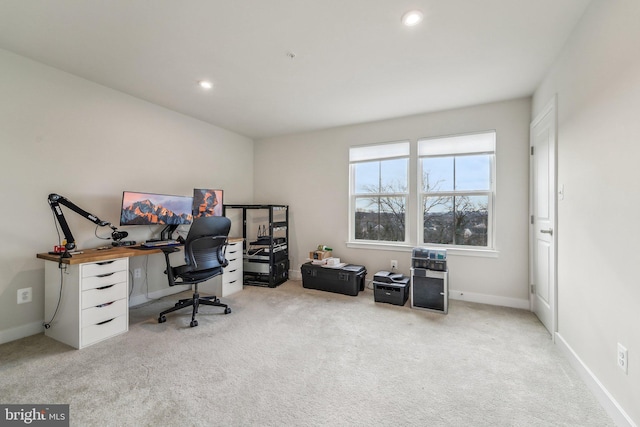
{"x": 271, "y": 266}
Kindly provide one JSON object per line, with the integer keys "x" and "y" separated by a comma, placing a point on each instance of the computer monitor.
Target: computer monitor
{"x": 207, "y": 202}
{"x": 153, "y": 209}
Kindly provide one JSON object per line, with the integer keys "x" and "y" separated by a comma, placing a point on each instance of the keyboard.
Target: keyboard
{"x": 160, "y": 243}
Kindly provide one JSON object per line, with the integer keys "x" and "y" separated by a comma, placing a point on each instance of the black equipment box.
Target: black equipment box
{"x": 390, "y": 288}
{"x": 348, "y": 280}
{"x": 260, "y": 273}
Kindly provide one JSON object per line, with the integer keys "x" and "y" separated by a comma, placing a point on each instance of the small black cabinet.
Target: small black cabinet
{"x": 430, "y": 290}
{"x": 265, "y": 253}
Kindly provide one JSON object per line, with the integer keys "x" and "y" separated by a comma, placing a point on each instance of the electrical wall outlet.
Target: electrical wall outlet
{"x": 394, "y": 264}
{"x": 623, "y": 358}
{"x": 25, "y": 295}
{"x": 137, "y": 273}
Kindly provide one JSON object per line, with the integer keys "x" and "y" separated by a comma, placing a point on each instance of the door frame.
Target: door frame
{"x": 550, "y": 108}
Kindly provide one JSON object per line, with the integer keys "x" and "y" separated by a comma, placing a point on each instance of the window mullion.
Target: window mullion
{"x": 464, "y": 203}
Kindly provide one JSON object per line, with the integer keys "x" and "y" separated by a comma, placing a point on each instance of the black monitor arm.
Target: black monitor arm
{"x": 55, "y": 200}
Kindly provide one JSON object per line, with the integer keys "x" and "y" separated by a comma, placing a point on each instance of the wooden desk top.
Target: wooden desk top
{"x": 93, "y": 255}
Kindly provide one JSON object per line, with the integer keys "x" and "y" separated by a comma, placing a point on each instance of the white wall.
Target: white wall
{"x": 597, "y": 79}
{"x": 62, "y": 134}
{"x": 310, "y": 173}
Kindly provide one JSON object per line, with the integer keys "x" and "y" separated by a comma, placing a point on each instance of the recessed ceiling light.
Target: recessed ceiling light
{"x": 205, "y": 84}
{"x": 411, "y": 18}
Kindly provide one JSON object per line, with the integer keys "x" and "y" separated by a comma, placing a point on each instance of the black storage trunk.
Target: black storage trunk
{"x": 348, "y": 280}
{"x": 392, "y": 293}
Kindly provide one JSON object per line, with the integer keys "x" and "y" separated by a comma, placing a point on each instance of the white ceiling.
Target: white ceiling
{"x": 354, "y": 61}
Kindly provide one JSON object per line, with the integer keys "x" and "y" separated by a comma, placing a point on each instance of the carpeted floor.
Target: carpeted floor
{"x": 291, "y": 356}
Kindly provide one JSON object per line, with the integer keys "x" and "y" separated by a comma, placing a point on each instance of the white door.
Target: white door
{"x": 543, "y": 217}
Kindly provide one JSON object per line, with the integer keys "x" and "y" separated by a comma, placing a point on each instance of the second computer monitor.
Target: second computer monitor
{"x": 207, "y": 202}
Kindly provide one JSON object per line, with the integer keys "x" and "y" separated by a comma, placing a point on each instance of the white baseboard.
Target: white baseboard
{"x": 21, "y": 331}
{"x": 295, "y": 275}
{"x": 610, "y": 405}
{"x": 459, "y": 295}
{"x": 141, "y": 299}
{"x": 489, "y": 299}
{"x": 33, "y": 328}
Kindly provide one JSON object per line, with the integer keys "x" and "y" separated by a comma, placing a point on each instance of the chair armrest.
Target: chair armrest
{"x": 170, "y": 249}
{"x": 222, "y": 256}
{"x": 169, "y": 271}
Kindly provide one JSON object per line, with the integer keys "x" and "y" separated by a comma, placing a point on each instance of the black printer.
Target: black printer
{"x": 388, "y": 277}
{"x": 392, "y": 288}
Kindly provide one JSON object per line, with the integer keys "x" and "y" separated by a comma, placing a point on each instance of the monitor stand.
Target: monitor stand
{"x": 167, "y": 232}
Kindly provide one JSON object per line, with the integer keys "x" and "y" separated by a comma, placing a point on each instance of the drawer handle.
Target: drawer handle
{"x": 106, "y": 321}
{"x": 233, "y": 271}
{"x": 106, "y": 262}
{"x": 233, "y": 281}
{"x": 105, "y": 304}
{"x": 105, "y": 287}
{"x": 106, "y": 274}
{"x": 232, "y": 252}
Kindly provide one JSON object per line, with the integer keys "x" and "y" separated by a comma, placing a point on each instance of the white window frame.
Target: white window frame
{"x": 414, "y": 225}
{"x": 378, "y": 152}
{"x": 458, "y": 146}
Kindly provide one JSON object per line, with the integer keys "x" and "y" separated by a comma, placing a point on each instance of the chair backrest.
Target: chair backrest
{"x": 204, "y": 247}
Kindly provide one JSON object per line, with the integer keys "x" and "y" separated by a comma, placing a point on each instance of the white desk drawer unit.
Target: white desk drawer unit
{"x": 232, "y": 273}
{"x": 104, "y": 295}
{"x": 104, "y": 268}
{"x": 103, "y": 330}
{"x": 94, "y": 305}
{"x": 103, "y": 313}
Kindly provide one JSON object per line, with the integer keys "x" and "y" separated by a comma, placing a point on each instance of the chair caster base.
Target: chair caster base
{"x": 196, "y": 303}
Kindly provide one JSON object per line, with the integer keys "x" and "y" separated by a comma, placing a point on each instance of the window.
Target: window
{"x": 442, "y": 194}
{"x": 457, "y": 189}
{"x": 379, "y": 192}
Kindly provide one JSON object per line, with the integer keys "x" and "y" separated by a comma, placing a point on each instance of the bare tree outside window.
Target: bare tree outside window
{"x": 381, "y": 218}
{"x": 456, "y": 220}
{"x": 455, "y": 202}
{"x": 381, "y": 203}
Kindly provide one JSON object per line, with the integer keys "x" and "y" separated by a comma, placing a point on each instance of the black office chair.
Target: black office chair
{"x": 204, "y": 254}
